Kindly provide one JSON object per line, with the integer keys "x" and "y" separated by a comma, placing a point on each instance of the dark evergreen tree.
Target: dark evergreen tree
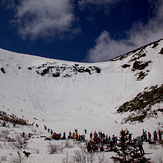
{"x": 127, "y": 150}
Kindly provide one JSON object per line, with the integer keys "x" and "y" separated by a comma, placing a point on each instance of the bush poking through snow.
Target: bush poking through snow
{"x": 83, "y": 156}
{"x": 37, "y": 150}
{"x": 54, "y": 148}
{"x": 19, "y": 158}
{"x": 3, "y": 158}
{"x": 80, "y": 156}
{"x": 20, "y": 143}
{"x": 68, "y": 144}
{"x": 4, "y": 134}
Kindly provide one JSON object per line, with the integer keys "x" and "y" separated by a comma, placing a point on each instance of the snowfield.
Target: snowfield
{"x": 66, "y": 96}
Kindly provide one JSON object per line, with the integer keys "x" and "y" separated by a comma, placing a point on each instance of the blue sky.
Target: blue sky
{"x": 79, "y": 30}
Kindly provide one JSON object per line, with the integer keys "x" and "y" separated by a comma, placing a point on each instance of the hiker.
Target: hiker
{"x": 109, "y": 139}
{"x": 64, "y": 135}
{"x": 114, "y": 140}
{"x": 76, "y": 131}
{"x": 95, "y": 134}
{"x": 140, "y": 145}
{"x": 159, "y": 134}
{"x": 149, "y": 136}
{"x": 29, "y": 135}
{"x": 23, "y": 134}
{"x": 83, "y": 137}
{"x": 4, "y": 124}
{"x": 145, "y": 135}
{"x": 155, "y": 135}
{"x": 130, "y": 137}
{"x": 51, "y": 131}
{"x": 80, "y": 138}
{"x": 85, "y": 131}
{"x": 54, "y": 135}
{"x": 76, "y": 136}
{"x": 111, "y": 145}
{"x": 89, "y": 148}
{"x": 102, "y": 141}
{"x": 91, "y": 135}
{"x": 73, "y": 135}
{"x": 101, "y": 149}
{"x": 45, "y": 127}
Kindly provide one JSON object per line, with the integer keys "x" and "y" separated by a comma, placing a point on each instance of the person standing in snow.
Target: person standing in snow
{"x": 73, "y": 135}
{"x": 140, "y": 145}
{"x": 130, "y": 137}
{"x": 76, "y": 136}
{"x": 149, "y": 136}
{"x": 155, "y": 135}
{"x": 91, "y": 135}
{"x": 64, "y": 135}
{"x": 159, "y": 134}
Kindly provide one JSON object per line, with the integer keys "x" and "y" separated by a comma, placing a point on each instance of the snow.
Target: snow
{"x": 78, "y": 101}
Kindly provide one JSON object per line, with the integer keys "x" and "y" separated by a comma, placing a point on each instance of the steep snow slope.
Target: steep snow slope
{"x": 70, "y": 95}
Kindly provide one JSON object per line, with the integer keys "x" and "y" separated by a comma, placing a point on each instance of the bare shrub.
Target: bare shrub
{"x": 3, "y": 158}
{"x": 6, "y": 145}
{"x": 4, "y": 134}
{"x": 83, "y": 156}
{"x": 101, "y": 158}
{"x": 158, "y": 159}
{"x": 153, "y": 146}
{"x": 1, "y": 146}
{"x": 54, "y": 148}
{"x": 18, "y": 159}
{"x": 80, "y": 156}
{"x": 37, "y": 150}
{"x": 68, "y": 144}
{"x": 91, "y": 157}
{"x": 65, "y": 159}
{"x": 20, "y": 143}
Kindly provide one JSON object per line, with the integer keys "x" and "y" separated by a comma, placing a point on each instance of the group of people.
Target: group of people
{"x": 98, "y": 140}
{"x": 74, "y": 136}
{"x": 146, "y": 136}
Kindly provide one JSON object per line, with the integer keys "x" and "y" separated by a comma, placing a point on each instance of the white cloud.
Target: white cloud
{"x": 139, "y": 35}
{"x": 35, "y": 18}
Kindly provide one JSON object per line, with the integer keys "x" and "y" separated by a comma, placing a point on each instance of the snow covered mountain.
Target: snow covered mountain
{"x": 70, "y": 95}
{"x": 125, "y": 92}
